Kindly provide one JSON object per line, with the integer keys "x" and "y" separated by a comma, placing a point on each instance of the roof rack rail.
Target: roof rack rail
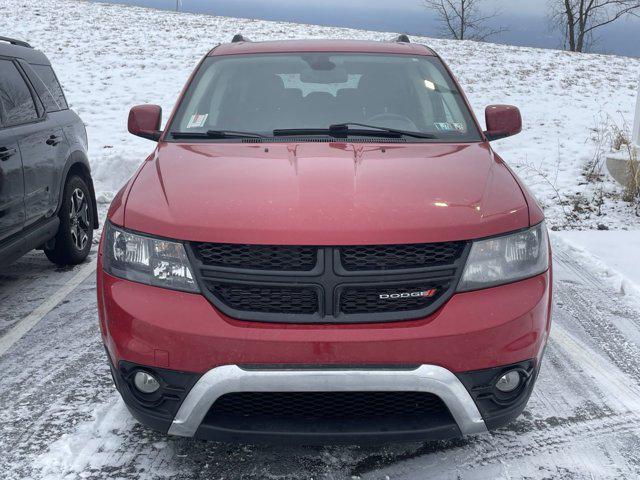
{"x": 237, "y": 38}
{"x": 13, "y": 41}
{"x": 402, "y": 38}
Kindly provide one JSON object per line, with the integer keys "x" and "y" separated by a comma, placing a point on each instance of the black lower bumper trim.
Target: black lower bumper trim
{"x": 156, "y": 410}
{"x": 355, "y": 432}
{"x": 353, "y": 417}
{"x": 499, "y": 409}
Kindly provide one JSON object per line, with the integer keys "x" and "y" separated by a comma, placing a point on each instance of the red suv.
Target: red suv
{"x": 324, "y": 247}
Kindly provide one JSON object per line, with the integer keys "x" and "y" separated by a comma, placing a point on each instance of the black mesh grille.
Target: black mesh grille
{"x": 377, "y": 299}
{"x": 328, "y": 405}
{"x": 327, "y": 283}
{"x": 257, "y": 257}
{"x": 386, "y": 257}
{"x": 267, "y": 299}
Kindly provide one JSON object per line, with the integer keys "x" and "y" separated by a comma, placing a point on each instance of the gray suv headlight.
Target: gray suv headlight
{"x": 154, "y": 261}
{"x": 506, "y": 259}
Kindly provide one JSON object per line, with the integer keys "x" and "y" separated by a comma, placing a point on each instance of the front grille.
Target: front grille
{"x": 402, "y": 298}
{"x": 327, "y": 405}
{"x": 306, "y": 284}
{"x": 257, "y": 257}
{"x": 389, "y": 257}
{"x": 266, "y": 299}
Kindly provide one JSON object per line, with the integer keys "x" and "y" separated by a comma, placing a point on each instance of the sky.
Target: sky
{"x": 526, "y": 21}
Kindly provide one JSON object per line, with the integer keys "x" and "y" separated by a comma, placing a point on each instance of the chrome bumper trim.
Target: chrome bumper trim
{"x": 232, "y": 378}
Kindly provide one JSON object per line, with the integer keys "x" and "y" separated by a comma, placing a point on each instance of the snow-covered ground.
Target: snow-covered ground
{"x": 615, "y": 254}
{"x": 111, "y": 57}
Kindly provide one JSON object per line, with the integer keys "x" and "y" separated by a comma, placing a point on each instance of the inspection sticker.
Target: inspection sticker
{"x": 449, "y": 126}
{"x": 197, "y": 120}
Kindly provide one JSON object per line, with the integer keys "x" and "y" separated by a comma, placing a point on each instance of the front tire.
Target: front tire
{"x": 75, "y": 234}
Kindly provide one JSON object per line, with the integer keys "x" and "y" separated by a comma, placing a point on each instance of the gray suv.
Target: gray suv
{"x": 47, "y": 199}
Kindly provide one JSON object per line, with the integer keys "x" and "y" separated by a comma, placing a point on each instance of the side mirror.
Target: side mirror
{"x": 502, "y": 121}
{"x": 144, "y": 121}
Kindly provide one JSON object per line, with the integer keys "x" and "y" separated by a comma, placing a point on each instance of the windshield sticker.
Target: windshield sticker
{"x": 449, "y": 126}
{"x": 197, "y": 120}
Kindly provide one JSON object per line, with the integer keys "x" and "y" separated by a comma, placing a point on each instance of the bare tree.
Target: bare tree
{"x": 578, "y": 19}
{"x": 463, "y": 19}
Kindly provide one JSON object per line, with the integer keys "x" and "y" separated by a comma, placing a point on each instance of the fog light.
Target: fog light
{"x": 145, "y": 382}
{"x": 508, "y": 382}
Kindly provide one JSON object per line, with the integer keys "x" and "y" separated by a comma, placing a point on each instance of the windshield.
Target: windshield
{"x": 262, "y": 93}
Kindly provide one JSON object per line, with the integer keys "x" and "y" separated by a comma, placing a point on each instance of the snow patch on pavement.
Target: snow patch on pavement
{"x": 615, "y": 255}
{"x": 90, "y": 446}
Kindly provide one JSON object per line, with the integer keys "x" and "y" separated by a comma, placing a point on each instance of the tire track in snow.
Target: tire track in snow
{"x": 514, "y": 446}
{"x": 598, "y": 310}
{"x": 621, "y": 388}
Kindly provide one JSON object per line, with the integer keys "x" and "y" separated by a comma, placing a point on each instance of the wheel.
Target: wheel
{"x": 75, "y": 234}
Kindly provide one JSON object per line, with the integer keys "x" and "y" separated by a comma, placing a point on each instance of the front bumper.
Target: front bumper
{"x": 199, "y": 354}
{"x": 184, "y": 406}
{"x": 182, "y": 331}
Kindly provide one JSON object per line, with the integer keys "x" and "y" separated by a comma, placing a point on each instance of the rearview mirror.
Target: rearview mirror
{"x": 144, "y": 121}
{"x": 334, "y": 75}
{"x": 502, "y": 121}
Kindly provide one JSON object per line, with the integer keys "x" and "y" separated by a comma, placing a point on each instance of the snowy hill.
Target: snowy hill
{"x": 111, "y": 57}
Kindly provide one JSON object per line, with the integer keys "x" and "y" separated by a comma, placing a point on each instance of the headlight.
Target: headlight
{"x": 505, "y": 259}
{"x": 157, "y": 262}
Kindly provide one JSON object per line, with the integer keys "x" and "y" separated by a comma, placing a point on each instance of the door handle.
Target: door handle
{"x": 53, "y": 140}
{"x": 6, "y": 153}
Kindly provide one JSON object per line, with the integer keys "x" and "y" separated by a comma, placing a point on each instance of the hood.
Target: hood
{"x": 324, "y": 193}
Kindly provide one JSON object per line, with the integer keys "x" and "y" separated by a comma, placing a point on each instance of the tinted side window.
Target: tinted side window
{"x": 15, "y": 96}
{"x": 46, "y": 97}
{"x": 49, "y": 78}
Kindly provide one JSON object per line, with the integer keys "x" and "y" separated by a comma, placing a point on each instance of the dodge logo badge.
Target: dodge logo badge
{"x": 422, "y": 294}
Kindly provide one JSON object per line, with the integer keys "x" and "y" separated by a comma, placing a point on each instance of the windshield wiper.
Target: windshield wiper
{"x": 343, "y": 130}
{"x": 218, "y": 134}
{"x": 345, "y": 127}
